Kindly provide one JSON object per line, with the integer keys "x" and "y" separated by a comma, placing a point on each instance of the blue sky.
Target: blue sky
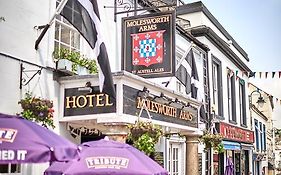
{"x": 256, "y": 27}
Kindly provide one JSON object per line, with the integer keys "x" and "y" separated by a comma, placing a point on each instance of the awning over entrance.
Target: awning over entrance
{"x": 231, "y": 145}
{"x": 247, "y": 146}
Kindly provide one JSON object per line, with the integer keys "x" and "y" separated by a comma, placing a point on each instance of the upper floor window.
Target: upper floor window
{"x": 242, "y": 102}
{"x": 217, "y": 86}
{"x": 264, "y": 137}
{"x": 66, "y": 36}
{"x": 231, "y": 96}
{"x": 257, "y": 135}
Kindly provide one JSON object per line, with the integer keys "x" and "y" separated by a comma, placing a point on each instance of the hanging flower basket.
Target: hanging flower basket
{"x": 212, "y": 141}
{"x": 144, "y": 136}
{"x": 38, "y": 110}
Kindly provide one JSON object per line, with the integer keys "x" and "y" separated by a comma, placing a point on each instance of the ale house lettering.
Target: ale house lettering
{"x": 163, "y": 109}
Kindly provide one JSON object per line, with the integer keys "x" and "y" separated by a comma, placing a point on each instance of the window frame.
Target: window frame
{"x": 217, "y": 82}
{"x": 231, "y": 94}
{"x": 60, "y": 24}
{"x": 242, "y": 103}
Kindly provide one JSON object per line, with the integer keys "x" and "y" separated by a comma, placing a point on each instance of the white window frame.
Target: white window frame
{"x": 178, "y": 143}
{"x": 60, "y": 23}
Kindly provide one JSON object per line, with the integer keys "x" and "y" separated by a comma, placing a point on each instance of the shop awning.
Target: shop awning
{"x": 247, "y": 146}
{"x": 231, "y": 145}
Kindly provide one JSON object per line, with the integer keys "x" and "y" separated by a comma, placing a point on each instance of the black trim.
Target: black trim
{"x": 232, "y": 94}
{"x": 217, "y": 62}
{"x": 199, "y": 6}
{"x": 243, "y": 113}
{"x": 220, "y": 44}
{"x": 190, "y": 37}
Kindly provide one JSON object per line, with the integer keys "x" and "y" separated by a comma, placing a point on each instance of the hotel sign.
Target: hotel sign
{"x": 234, "y": 133}
{"x": 132, "y": 105}
{"x": 149, "y": 44}
{"x": 77, "y": 102}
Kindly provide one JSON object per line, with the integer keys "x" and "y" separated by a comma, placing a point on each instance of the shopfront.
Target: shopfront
{"x": 86, "y": 114}
{"x": 238, "y": 146}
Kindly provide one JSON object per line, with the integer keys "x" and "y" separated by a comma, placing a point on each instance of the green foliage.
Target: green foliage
{"x": 77, "y": 59}
{"x": 144, "y": 136}
{"x": 37, "y": 110}
{"x": 212, "y": 141}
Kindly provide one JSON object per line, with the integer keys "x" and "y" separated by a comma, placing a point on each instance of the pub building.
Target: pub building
{"x": 86, "y": 114}
{"x": 238, "y": 149}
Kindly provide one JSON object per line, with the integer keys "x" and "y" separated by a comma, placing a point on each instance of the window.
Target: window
{"x": 174, "y": 160}
{"x": 217, "y": 86}
{"x": 231, "y": 97}
{"x": 10, "y": 168}
{"x": 66, "y": 36}
{"x": 261, "y": 137}
{"x": 242, "y": 103}
{"x": 264, "y": 137}
{"x": 257, "y": 135}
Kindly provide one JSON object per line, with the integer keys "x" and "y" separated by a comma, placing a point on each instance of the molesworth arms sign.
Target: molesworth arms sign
{"x": 148, "y": 44}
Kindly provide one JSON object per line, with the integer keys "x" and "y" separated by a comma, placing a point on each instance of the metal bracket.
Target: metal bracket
{"x": 146, "y": 5}
{"x": 23, "y": 81}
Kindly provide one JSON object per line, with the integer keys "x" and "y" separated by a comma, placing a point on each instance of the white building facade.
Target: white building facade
{"x": 25, "y": 69}
{"x": 228, "y": 77}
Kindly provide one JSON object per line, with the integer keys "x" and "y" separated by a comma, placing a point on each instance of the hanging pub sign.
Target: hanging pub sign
{"x": 87, "y": 100}
{"x": 234, "y": 133}
{"x": 148, "y": 44}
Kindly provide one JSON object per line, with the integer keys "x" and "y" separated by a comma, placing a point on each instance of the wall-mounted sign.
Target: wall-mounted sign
{"x": 77, "y": 101}
{"x": 132, "y": 105}
{"x": 148, "y": 44}
{"x": 234, "y": 133}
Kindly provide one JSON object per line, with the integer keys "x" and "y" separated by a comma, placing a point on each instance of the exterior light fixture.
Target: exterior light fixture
{"x": 260, "y": 100}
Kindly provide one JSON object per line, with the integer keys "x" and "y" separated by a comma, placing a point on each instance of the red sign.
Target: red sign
{"x": 236, "y": 134}
{"x": 147, "y": 48}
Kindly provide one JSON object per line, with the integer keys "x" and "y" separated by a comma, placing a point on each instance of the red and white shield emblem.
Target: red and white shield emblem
{"x": 147, "y": 48}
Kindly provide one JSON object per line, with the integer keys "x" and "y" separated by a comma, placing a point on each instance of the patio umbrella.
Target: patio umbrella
{"x": 23, "y": 141}
{"x": 107, "y": 157}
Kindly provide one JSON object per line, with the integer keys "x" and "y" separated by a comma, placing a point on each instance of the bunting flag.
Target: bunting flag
{"x": 86, "y": 20}
{"x": 253, "y": 74}
{"x": 273, "y": 73}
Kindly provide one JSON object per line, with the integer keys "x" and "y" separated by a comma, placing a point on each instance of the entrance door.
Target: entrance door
{"x": 175, "y": 159}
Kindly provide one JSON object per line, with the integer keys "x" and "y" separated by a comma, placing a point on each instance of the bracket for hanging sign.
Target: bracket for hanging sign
{"x": 129, "y": 7}
{"x": 23, "y": 81}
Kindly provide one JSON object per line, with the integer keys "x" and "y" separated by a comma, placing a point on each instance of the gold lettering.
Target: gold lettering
{"x": 185, "y": 115}
{"x": 139, "y": 103}
{"x": 107, "y": 103}
{"x": 148, "y": 27}
{"x": 148, "y": 21}
{"x": 99, "y": 99}
{"x": 90, "y": 100}
{"x": 68, "y": 101}
{"x": 78, "y": 101}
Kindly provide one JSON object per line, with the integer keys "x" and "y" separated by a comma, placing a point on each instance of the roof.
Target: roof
{"x": 200, "y": 7}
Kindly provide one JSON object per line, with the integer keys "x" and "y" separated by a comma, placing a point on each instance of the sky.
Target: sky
{"x": 255, "y": 25}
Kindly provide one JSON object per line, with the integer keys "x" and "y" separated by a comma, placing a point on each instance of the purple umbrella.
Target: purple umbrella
{"x": 229, "y": 168}
{"x": 23, "y": 141}
{"x": 106, "y": 157}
